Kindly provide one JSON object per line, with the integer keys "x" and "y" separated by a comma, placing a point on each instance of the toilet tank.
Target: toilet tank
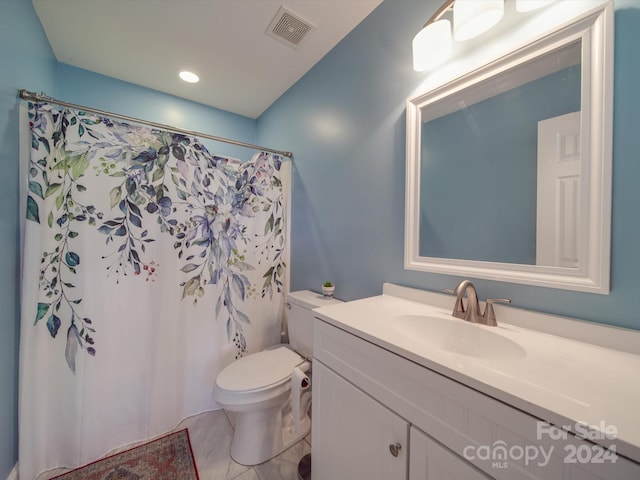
{"x": 300, "y": 319}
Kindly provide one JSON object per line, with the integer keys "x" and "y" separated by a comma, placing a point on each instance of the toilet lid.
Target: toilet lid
{"x": 258, "y": 370}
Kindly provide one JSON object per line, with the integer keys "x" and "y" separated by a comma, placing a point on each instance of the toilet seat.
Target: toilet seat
{"x": 256, "y": 377}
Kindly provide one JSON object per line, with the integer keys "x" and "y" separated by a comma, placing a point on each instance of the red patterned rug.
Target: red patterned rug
{"x": 166, "y": 458}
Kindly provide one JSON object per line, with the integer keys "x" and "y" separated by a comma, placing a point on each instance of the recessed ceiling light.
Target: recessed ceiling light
{"x": 189, "y": 76}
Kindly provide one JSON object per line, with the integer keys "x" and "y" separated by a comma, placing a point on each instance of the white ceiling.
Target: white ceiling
{"x": 241, "y": 69}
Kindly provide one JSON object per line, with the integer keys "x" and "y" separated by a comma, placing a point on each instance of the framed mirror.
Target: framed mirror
{"x": 509, "y": 166}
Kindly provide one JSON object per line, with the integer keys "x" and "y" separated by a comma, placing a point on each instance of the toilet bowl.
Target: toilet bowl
{"x": 269, "y": 390}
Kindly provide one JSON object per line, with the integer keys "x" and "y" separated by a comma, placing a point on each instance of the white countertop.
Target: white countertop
{"x": 560, "y": 380}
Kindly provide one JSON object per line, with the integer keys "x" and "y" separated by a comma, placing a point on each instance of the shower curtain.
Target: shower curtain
{"x": 149, "y": 264}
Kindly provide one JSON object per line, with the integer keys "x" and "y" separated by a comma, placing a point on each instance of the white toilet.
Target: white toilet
{"x": 271, "y": 415}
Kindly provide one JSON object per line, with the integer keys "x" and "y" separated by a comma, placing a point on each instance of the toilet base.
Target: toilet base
{"x": 261, "y": 435}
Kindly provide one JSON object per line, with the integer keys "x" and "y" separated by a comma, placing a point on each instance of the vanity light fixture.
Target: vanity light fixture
{"x": 433, "y": 44}
{"x": 189, "y": 77}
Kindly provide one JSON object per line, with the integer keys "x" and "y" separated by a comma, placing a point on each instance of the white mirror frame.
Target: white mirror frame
{"x": 595, "y": 30}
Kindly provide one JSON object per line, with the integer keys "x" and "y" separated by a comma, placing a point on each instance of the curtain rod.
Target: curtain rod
{"x": 41, "y": 97}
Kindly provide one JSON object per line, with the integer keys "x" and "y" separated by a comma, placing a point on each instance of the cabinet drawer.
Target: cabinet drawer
{"x": 471, "y": 424}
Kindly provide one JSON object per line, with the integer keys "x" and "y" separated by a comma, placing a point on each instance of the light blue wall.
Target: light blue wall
{"x": 345, "y": 123}
{"x": 26, "y": 62}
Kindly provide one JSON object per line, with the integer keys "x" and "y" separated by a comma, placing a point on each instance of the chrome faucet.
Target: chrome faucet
{"x": 471, "y": 313}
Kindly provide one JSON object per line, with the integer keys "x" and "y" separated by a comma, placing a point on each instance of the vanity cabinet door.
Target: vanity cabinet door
{"x": 354, "y": 436}
{"x": 429, "y": 460}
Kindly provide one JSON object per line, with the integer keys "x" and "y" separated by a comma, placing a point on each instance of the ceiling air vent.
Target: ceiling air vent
{"x": 288, "y": 27}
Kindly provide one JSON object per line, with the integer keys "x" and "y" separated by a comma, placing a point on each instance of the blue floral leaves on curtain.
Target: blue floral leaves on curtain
{"x": 155, "y": 178}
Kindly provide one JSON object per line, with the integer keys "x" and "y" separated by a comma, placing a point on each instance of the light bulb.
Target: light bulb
{"x": 474, "y": 17}
{"x": 432, "y": 45}
{"x": 189, "y": 77}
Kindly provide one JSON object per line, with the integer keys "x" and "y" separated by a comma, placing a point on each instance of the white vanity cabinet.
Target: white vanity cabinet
{"x": 366, "y": 398}
{"x": 359, "y": 437}
{"x": 357, "y": 434}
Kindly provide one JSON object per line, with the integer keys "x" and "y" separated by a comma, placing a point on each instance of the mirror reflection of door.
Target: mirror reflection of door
{"x": 559, "y": 191}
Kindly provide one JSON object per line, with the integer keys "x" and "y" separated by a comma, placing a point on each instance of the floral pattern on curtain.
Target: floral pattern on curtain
{"x": 156, "y": 184}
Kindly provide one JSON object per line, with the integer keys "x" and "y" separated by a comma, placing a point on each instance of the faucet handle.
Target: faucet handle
{"x": 449, "y": 290}
{"x": 489, "y": 313}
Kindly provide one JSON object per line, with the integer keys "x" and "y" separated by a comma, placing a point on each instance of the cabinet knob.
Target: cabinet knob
{"x": 394, "y": 448}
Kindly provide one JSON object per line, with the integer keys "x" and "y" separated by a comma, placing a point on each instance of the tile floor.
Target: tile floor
{"x": 210, "y": 435}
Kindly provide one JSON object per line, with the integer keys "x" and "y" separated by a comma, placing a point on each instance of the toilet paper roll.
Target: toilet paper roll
{"x": 299, "y": 383}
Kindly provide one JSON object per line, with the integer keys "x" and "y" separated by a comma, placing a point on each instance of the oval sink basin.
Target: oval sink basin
{"x": 458, "y": 336}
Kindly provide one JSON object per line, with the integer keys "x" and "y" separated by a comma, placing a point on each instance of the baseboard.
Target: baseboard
{"x": 13, "y": 474}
